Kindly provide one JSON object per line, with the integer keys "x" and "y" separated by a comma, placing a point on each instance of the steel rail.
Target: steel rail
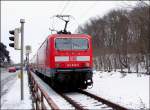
{"x": 72, "y": 102}
{"x": 104, "y": 101}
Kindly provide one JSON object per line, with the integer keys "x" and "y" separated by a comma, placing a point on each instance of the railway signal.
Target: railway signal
{"x": 15, "y": 45}
{"x": 14, "y": 38}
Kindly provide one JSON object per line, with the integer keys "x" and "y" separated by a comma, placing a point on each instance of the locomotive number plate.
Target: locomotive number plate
{"x": 72, "y": 58}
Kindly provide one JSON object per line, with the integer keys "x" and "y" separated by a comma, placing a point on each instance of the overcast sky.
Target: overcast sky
{"x": 37, "y": 17}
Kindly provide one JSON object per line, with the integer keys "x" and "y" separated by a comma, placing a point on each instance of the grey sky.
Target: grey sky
{"x": 37, "y": 16}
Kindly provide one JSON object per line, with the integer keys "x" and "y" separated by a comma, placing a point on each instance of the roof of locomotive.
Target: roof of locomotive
{"x": 69, "y": 35}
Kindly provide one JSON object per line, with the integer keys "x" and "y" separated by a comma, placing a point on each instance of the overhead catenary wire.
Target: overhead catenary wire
{"x": 52, "y": 26}
{"x": 87, "y": 10}
{"x": 65, "y": 6}
{"x": 81, "y": 15}
{"x": 63, "y": 9}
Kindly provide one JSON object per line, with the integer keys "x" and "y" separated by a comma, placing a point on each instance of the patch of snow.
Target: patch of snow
{"x": 61, "y": 102}
{"x": 86, "y": 101}
{"x": 129, "y": 91}
{"x": 12, "y": 100}
{"x": 7, "y": 79}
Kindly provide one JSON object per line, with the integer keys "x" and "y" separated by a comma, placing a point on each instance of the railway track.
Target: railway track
{"x": 85, "y": 100}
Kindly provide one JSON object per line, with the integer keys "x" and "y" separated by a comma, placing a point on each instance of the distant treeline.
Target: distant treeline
{"x": 4, "y": 55}
{"x": 121, "y": 37}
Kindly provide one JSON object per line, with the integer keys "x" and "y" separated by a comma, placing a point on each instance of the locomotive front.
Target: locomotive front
{"x": 73, "y": 60}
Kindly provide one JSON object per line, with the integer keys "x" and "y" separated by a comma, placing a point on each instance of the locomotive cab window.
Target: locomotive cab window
{"x": 71, "y": 44}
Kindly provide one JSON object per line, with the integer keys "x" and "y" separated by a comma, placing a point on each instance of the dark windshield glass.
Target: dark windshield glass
{"x": 71, "y": 44}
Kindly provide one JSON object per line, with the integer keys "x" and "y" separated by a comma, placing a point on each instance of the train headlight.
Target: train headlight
{"x": 57, "y": 65}
{"x": 87, "y": 64}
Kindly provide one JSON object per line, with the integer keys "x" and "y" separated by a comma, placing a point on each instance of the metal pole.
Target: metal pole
{"x": 22, "y": 21}
{"x": 28, "y": 62}
{"x": 28, "y": 58}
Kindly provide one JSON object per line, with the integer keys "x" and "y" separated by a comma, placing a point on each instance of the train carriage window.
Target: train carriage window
{"x": 71, "y": 44}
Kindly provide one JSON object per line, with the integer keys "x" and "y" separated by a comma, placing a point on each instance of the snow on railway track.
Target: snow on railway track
{"x": 84, "y": 100}
{"x": 81, "y": 101}
{"x": 77, "y": 100}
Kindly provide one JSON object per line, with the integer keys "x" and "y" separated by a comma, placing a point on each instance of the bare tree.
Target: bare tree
{"x": 119, "y": 35}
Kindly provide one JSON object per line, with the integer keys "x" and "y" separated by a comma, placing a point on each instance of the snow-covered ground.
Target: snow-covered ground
{"x": 6, "y": 79}
{"x": 12, "y": 99}
{"x": 131, "y": 90}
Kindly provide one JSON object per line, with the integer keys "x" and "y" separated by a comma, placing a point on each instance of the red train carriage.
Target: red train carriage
{"x": 66, "y": 59}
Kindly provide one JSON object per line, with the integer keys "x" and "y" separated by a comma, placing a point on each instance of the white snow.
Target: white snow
{"x": 131, "y": 91}
{"x": 61, "y": 103}
{"x": 87, "y": 102}
{"x": 128, "y": 90}
{"x": 7, "y": 79}
{"x": 12, "y": 99}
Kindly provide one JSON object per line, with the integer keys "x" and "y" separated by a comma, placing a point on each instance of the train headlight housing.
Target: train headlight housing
{"x": 87, "y": 64}
{"x": 57, "y": 65}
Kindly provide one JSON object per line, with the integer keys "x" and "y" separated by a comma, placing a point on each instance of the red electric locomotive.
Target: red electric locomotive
{"x": 66, "y": 59}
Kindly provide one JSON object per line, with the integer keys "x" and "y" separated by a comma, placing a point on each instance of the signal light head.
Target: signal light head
{"x": 12, "y": 32}
{"x": 11, "y": 38}
{"x": 14, "y": 38}
{"x": 11, "y": 44}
